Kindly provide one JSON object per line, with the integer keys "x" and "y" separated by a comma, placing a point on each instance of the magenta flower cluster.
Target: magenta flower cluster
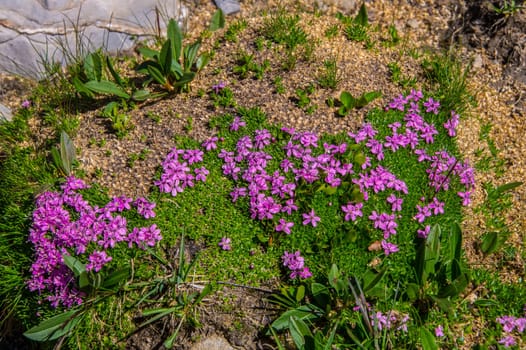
{"x": 296, "y": 265}
{"x": 512, "y": 327}
{"x": 271, "y": 194}
{"x": 389, "y": 321}
{"x": 64, "y": 223}
{"x": 177, "y": 173}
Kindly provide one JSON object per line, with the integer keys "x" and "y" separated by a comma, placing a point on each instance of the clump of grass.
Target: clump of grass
{"x": 449, "y": 79}
{"x": 283, "y": 28}
{"x": 329, "y": 77}
{"x": 234, "y": 29}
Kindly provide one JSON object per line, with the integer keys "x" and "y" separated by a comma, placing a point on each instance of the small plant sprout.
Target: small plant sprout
{"x": 329, "y": 76}
{"x": 348, "y": 102}
{"x": 175, "y": 65}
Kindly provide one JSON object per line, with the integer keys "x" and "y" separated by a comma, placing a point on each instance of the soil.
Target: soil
{"x": 494, "y": 45}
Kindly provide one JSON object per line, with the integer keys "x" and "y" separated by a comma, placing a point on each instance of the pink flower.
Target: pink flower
{"x": 439, "y": 331}
{"x": 396, "y": 203}
{"x": 225, "y": 243}
{"x": 352, "y": 211}
{"x": 218, "y": 87}
{"x": 389, "y": 248}
{"x": 236, "y": 124}
{"x": 466, "y": 200}
{"x": 432, "y": 106}
{"x": 284, "y": 226}
{"x": 508, "y": 341}
{"x": 97, "y": 260}
{"x": 310, "y": 218}
{"x": 424, "y": 233}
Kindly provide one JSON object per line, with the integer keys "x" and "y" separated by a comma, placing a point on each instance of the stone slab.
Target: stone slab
{"x": 36, "y": 31}
{"x": 228, "y": 6}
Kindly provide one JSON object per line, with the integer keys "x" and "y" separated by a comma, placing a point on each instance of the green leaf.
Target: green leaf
{"x": 110, "y": 109}
{"x": 362, "y": 18}
{"x": 371, "y": 279}
{"x": 185, "y": 79}
{"x": 412, "y": 290}
{"x": 156, "y": 74}
{"x": 427, "y": 339}
{"x": 330, "y": 340}
{"x": 276, "y": 339}
{"x": 190, "y": 55}
{"x": 202, "y": 61}
{"x": 78, "y": 268}
{"x": 56, "y": 159}
{"x": 334, "y": 275}
{"x": 455, "y": 251}
{"x": 321, "y": 295}
{"x": 67, "y": 152}
{"x": 81, "y": 89}
{"x": 329, "y": 190}
{"x": 454, "y": 288}
{"x": 503, "y": 189}
{"x": 218, "y": 21}
{"x": 209, "y": 288}
{"x": 427, "y": 255}
{"x": 347, "y": 100}
{"x": 443, "y": 303}
{"x": 455, "y": 242}
{"x": 298, "y": 331}
{"x": 141, "y": 95}
{"x": 159, "y": 313}
{"x": 116, "y": 277}
{"x": 169, "y": 343}
{"x": 304, "y": 312}
{"x": 300, "y": 293}
{"x": 360, "y": 159}
{"x": 114, "y": 73}
{"x": 486, "y": 303}
{"x": 148, "y": 53}
{"x": 491, "y": 242}
{"x": 176, "y": 69}
{"x": 54, "y": 327}
{"x": 176, "y": 37}
{"x": 93, "y": 66}
{"x": 74, "y": 265}
{"x": 367, "y": 98}
{"x": 107, "y": 87}
{"x": 165, "y": 57}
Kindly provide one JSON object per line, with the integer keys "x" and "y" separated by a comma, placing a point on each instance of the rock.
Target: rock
{"x": 228, "y": 6}
{"x": 413, "y": 23}
{"x": 477, "y": 61}
{"x": 5, "y": 114}
{"x": 213, "y": 342}
{"x": 35, "y": 32}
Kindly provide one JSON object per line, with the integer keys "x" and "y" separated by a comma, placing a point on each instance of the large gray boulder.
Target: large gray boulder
{"x": 34, "y": 32}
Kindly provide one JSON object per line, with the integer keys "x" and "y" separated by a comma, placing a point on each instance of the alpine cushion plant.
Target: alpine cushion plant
{"x": 388, "y": 183}
{"x": 278, "y": 174}
{"x": 66, "y": 226}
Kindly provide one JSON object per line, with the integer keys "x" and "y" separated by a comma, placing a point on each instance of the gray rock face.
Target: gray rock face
{"x": 34, "y": 32}
{"x": 228, "y": 6}
{"x": 5, "y": 114}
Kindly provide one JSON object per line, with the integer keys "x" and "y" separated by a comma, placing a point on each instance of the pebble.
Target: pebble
{"x": 413, "y": 23}
{"x": 477, "y": 61}
{"x": 5, "y": 114}
{"x": 213, "y": 342}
